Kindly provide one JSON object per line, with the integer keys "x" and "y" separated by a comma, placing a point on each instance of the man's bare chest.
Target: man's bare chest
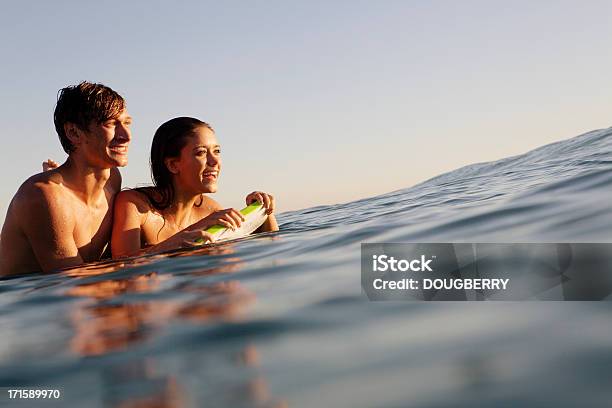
{"x": 92, "y": 229}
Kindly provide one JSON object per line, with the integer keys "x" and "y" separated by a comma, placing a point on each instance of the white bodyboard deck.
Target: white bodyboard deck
{"x": 255, "y": 216}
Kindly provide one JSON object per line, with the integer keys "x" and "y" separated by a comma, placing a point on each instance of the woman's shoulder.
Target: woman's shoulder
{"x": 206, "y": 207}
{"x": 138, "y": 197}
{"x": 210, "y": 204}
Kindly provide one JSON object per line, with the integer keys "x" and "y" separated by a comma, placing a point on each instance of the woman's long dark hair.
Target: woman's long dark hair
{"x": 168, "y": 141}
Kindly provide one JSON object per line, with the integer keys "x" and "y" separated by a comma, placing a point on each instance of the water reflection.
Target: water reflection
{"x": 141, "y": 384}
{"x": 124, "y": 314}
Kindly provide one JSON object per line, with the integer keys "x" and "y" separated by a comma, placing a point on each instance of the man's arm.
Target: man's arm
{"x": 48, "y": 223}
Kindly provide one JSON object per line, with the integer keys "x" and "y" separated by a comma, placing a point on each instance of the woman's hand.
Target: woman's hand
{"x": 230, "y": 218}
{"x": 188, "y": 239}
{"x": 49, "y": 165}
{"x": 265, "y": 199}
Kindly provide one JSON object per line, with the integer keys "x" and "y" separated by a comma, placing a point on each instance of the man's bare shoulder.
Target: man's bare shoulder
{"x": 43, "y": 186}
{"x": 43, "y": 199}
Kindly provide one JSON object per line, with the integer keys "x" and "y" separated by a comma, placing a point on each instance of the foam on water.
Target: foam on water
{"x": 280, "y": 318}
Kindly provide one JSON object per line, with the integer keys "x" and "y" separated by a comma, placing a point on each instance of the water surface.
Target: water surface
{"x": 280, "y": 320}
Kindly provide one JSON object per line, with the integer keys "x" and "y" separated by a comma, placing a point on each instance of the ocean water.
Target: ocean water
{"x": 280, "y": 320}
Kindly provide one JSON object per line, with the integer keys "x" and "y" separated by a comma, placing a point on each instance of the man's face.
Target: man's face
{"x": 106, "y": 144}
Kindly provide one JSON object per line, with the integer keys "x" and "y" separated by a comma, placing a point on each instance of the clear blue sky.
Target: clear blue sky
{"x": 315, "y": 102}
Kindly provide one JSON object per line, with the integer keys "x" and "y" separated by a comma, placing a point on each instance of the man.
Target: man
{"x": 63, "y": 217}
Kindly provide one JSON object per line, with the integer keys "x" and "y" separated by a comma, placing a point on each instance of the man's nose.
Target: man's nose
{"x": 123, "y": 132}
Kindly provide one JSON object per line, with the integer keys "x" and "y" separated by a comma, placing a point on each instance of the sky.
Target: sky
{"x": 314, "y": 102}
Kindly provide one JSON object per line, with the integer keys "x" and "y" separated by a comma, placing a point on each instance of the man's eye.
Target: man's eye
{"x": 218, "y": 151}
{"x": 200, "y": 152}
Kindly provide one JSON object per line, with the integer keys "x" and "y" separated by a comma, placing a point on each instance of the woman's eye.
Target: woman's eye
{"x": 200, "y": 152}
{"x": 218, "y": 151}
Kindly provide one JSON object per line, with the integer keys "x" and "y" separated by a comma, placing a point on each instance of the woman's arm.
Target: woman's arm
{"x": 270, "y": 225}
{"x": 130, "y": 212}
{"x": 127, "y": 223}
{"x": 267, "y": 200}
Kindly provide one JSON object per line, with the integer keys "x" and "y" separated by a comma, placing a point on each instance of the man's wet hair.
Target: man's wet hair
{"x": 83, "y": 103}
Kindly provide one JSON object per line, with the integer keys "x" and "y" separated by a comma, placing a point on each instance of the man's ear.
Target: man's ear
{"x": 172, "y": 164}
{"x": 73, "y": 133}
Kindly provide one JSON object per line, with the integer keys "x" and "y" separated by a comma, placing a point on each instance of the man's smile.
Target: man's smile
{"x": 122, "y": 149}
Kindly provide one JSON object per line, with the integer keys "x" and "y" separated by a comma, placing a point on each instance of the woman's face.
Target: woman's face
{"x": 197, "y": 168}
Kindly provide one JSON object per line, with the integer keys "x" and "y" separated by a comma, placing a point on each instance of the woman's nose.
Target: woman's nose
{"x": 212, "y": 160}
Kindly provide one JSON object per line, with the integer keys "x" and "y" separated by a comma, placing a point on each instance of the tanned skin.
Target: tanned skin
{"x": 140, "y": 229}
{"x": 63, "y": 217}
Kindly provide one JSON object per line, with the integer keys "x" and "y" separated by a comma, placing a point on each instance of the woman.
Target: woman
{"x": 185, "y": 165}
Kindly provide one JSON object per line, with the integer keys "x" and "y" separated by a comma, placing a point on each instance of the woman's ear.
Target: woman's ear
{"x": 172, "y": 164}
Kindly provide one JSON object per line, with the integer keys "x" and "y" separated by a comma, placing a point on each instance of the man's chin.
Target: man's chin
{"x": 120, "y": 162}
